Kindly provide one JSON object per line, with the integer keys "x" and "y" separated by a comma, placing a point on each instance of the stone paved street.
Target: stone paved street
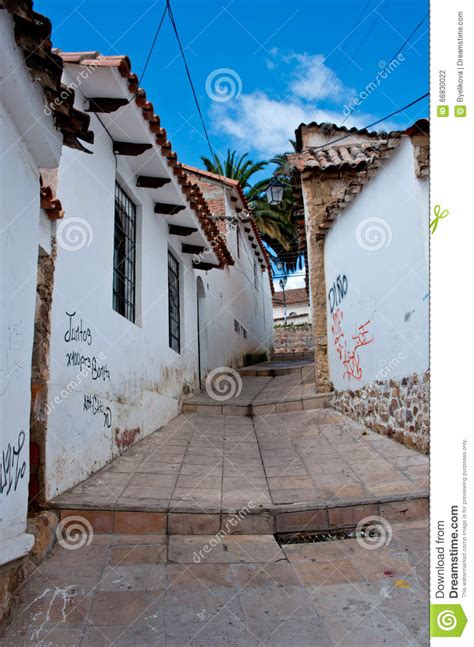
{"x": 149, "y": 590}
{"x": 206, "y": 463}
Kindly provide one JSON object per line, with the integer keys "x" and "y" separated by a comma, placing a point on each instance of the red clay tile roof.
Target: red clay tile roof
{"x": 191, "y": 190}
{"x": 33, "y": 36}
{"x": 220, "y": 206}
{"x": 292, "y": 296}
{"x": 351, "y": 156}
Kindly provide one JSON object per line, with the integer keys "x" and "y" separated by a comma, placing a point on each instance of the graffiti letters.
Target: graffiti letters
{"x": 349, "y": 356}
{"x": 12, "y": 467}
{"x": 95, "y": 405}
{"x": 76, "y": 331}
{"x": 337, "y": 292}
{"x": 97, "y": 371}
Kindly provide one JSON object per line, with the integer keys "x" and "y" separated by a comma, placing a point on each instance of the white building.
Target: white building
{"x": 148, "y": 295}
{"x": 32, "y": 132}
{"x": 366, "y": 208}
{"x": 296, "y": 303}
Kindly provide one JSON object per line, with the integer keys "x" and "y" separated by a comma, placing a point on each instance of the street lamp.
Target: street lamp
{"x": 274, "y": 192}
{"x": 283, "y": 285}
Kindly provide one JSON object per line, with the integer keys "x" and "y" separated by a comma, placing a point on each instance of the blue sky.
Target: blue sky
{"x": 287, "y": 62}
{"x": 260, "y": 67}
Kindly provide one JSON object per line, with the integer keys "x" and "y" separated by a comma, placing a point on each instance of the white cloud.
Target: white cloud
{"x": 313, "y": 79}
{"x": 263, "y": 124}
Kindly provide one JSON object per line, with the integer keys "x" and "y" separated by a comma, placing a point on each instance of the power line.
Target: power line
{"x": 392, "y": 114}
{"x": 188, "y": 74}
{"x": 150, "y": 51}
{"x": 405, "y": 42}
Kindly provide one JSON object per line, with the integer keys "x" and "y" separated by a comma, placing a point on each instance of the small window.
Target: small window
{"x": 174, "y": 313}
{"x": 124, "y": 255}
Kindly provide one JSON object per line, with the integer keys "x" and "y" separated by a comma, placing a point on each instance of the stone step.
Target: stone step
{"x": 306, "y": 403}
{"x": 305, "y": 369}
{"x": 273, "y": 520}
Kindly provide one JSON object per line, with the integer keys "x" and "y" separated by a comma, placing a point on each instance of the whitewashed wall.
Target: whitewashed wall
{"x": 379, "y": 248}
{"x": 301, "y": 310}
{"x": 138, "y": 382}
{"x": 233, "y": 295}
{"x": 28, "y": 141}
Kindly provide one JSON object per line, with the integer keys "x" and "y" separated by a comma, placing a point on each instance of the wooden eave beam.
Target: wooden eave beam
{"x": 129, "y": 148}
{"x": 168, "y": 209}
{"x": 179, "y": 230}
{"x": 205, "y": 266}
{"x": 105, "y": 104}
{"x": 192, "y": 249}
{"x": 150, "y": 182}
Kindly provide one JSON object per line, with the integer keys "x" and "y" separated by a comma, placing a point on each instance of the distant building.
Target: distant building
{"x": 297, "y": 307}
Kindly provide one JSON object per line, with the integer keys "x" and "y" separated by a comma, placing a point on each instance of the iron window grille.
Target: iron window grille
{"x": 174, "y": 313}
{"x": 124, "y": 255}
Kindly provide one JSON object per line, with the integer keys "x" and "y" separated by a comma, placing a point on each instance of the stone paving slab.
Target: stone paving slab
{"x": 288, "y": 390}
{"x": 126, "y": 590}
{"x": 307, "y": 469}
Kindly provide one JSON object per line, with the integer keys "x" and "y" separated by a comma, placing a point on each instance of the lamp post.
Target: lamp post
{"x": 274, "y": 192}
{"x": 283, "y": 285}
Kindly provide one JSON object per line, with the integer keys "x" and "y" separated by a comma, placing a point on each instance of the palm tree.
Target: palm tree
{"x": 273, "y": 222}
{"x": 235, "y": 168}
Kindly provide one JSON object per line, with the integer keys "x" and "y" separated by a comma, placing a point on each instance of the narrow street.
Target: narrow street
{"x": 176, "y": 540}
{"x": 148, "y": 590}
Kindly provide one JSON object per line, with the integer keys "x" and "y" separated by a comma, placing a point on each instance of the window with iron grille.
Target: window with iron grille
{"x": 174, "y": 314}
{"x": 124, "y": 255}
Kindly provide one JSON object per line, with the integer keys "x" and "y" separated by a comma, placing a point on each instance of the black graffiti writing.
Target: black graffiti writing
{"x": 95, "y": 405}
{"x": 77, "y": 332}
{"x": 12, "y": 468}
{"x": 337, "y": 291}
{"x": 97, "y": 371}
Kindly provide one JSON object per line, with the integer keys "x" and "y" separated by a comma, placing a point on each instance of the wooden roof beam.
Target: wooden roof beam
{"x": 168, "y": 209}
{"x": 150, "y": 182}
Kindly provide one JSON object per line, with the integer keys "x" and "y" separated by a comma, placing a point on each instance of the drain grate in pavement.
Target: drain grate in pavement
{"x": 314, "y": 538}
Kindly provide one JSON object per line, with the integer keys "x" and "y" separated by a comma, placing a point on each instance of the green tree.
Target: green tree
{"x": 273, "y": 221}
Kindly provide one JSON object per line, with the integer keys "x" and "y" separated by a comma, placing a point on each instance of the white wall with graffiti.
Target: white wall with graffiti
{"x": 114, "y": 380}
{"x": 19, "y": 224}
{"x": 376, "y": 266}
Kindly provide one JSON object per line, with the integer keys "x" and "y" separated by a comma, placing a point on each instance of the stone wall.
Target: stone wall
{"x": 40, "y": 374}
{"x": 398, "y": 409}
{"x": 294, "y": 340}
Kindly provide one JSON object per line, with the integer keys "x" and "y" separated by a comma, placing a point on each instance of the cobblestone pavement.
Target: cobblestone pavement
{"x": 206, "y": 463}
{"x": 240, "y": 590}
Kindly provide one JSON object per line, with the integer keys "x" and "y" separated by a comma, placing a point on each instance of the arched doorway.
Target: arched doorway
{"x": 201, "y": 329}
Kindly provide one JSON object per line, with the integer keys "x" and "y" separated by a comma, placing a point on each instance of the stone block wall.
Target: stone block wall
{"x": 294, "y": 340}
{"x": 398, "y": 409}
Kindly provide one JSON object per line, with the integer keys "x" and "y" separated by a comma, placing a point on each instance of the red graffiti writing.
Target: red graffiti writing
{"x": 349, "y": 356}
